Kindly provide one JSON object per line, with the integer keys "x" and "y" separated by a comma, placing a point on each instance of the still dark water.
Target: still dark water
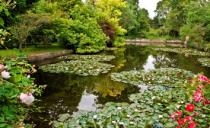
{"x": 68, "y": 93}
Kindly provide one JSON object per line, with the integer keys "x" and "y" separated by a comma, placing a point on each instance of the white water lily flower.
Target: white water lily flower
{"x": 121, "y": 123}
{"x": 119, "y": 108}
{"x": 160, "y": 116}
{"x": 95, "y": 117}
{"x": 114, "y": 122}
{"x": 27, "y": 99}
{"x": 5, "y": 74}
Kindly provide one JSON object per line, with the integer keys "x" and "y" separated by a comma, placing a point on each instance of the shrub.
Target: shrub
{"x": 16, "y": 86}
{"x": 82, "y": 32}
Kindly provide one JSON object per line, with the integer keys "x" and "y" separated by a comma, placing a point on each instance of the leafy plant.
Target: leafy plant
{"x": 14, "y": 81}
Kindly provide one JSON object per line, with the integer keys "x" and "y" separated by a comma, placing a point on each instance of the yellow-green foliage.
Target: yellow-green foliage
{"x": 110, "y": 11}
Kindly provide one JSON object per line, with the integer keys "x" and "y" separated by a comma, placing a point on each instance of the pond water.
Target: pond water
{"x": 68, "y": 93}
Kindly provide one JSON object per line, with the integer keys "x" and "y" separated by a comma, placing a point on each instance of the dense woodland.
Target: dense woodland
{"x": 90, "y": 26}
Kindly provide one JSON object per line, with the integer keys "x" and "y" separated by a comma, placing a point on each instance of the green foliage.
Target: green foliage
{"x": 197, "y": 24}
{"x": 5, "y": 7}
{"x": 109, "y": 13}
{"x": 28, "y": 22}
{"x": 12, "y": 112}
{"x": 3, "y": 35}
{"x": 135, "y": 20}
{"x": 82, "y": 32}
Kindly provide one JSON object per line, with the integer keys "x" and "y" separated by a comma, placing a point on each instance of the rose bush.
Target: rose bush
{"x": 196, "y": 112}
{"x": 16, "y": 92}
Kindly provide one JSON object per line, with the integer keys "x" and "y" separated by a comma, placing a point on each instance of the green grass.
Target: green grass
{"x": 28, "y": 51}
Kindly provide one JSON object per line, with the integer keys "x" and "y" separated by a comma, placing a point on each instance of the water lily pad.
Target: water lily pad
{"x": 185, "y": 51}
{"x": 204, "y": 61}
{"x": 151, "y": 108}
{"x": 171, "y": 77}
{"x": 101, "y": 58}
{"x": 79, "y": 67}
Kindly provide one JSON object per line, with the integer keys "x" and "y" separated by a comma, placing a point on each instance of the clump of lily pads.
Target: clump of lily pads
{"x": 79, "y": 67}
{"x": 185, "y": 51}
{"x": 204, "y": 61}
{"x": 148, "y": 109}
{"x": 100, "y": 58}
{"x": 171, "y": 77}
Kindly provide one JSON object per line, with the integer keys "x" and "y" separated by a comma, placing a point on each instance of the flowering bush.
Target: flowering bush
{"x": 195, "y": 112}
{"x": 16, "y": 89}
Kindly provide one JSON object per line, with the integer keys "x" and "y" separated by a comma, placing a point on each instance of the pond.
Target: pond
{"x": 69, "y": 93}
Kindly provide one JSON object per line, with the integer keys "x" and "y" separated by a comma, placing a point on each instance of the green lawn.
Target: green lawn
{"x": 28, "y": 51}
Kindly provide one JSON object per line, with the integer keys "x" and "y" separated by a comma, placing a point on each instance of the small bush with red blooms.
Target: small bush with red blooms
{"x": 195, "y": 112}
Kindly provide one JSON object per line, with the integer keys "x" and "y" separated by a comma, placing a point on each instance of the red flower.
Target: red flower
{"x": 188, "y": 118}
{"x": 190, "y": 107}
{"x": 206, "y": 101}
{"x": 181, "y": 122}
{"x": 192, "y": 124}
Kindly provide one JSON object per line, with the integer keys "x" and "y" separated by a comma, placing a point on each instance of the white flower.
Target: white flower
{"x": 5, "y": 74}
{"x": 128, "y": 116}
{"x": 26, "y": 98}
{"x": 131, "y": 122}
{"x": 28, "y": 76}
{"x": 114, "y": 122}
{"x": 160, "y": 116}
{"x": 95, "y": 117}
{"x": 119, "y": 108}
{"x": 121, "y": 123}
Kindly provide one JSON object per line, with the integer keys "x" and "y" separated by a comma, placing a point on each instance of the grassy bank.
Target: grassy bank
{"x": 28, "y": 51}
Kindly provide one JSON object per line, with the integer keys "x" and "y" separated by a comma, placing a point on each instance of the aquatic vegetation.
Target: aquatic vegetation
{"x": 152, "y": 108}
{"x": 171, "y": 77}
{"x": 98, "y": 58}
{"x": 186, "y": 51}
{"x": 143, "y": 111}
{"x": 204, "y": 61}
{"x": 79, "y": 67}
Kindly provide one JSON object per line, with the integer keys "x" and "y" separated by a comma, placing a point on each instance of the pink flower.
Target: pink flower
{"x": 5, "y": 74}
{"x": 2, "y": 67}
{"x": 178, "y": 113}
{"x": 197, "y": 96}
{"x": 26, "y": 98}
{"x": 196, "y": 114}
{"x": 203, "y": 78}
